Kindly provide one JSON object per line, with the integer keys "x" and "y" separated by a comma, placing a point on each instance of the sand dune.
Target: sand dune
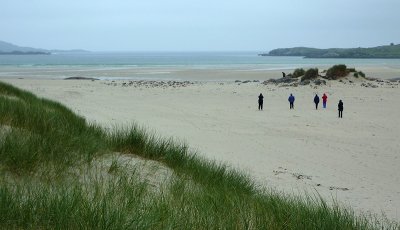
{"x": 354, "y": 160}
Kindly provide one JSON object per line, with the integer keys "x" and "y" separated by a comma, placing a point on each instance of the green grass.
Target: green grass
{"x": 45, "y": 150}
{"x": 44, "y": 132}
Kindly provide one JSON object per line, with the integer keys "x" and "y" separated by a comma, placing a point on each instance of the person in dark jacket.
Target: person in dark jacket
{"x": 316, "y": 101}
{"x": 340, "y": 108}
{"x": 291, "y": 101}
{"x": 260, "y": 101}
{"x": 324, "y": 100}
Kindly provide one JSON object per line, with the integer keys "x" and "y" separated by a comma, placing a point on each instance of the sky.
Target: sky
{"x": 198, "y": 25}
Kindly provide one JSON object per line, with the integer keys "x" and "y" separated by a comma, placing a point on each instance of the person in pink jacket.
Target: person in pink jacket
{"x": 324, "y": 100}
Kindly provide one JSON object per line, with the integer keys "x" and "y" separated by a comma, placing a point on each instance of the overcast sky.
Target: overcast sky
{"x": 198, "y": 25}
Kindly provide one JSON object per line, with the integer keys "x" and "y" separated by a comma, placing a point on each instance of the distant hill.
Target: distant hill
{"x": 11, "y": 49}
{"x": 8, "y": 48}
{"x": 389, "y": 51}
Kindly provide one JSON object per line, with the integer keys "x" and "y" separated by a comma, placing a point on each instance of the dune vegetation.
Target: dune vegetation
{"x": 60, "y": 172}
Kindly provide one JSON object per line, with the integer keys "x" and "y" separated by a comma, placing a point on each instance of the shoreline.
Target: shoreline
{"x": 194, "y": 73}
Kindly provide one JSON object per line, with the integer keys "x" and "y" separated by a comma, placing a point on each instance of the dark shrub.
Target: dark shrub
{"x": 310, "y": 74}
{"x": 355, "y": 74}
{"x": 319, "y": 82}
{"x": 351, "y": 70}
{"x": 336, "y": 71}
{"x": 298, "y": 72}
{"x": 305, "y": 82}
{"x": 361, "y": 74}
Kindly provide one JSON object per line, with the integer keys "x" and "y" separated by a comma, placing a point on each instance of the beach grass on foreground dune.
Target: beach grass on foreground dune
{"x": 42, "y": 142}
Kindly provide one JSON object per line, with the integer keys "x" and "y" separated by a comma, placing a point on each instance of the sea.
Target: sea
{"x": 10, "y": 65}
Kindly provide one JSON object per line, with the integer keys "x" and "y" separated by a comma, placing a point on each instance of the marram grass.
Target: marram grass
{"x": 43, "y": 145}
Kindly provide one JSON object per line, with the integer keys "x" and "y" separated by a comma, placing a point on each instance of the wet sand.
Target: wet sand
{"x": 206, "y": 73}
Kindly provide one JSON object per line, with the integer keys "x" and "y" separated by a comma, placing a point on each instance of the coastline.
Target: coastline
{"x": 180, "y": 73}
{"x": 353, "y": 160}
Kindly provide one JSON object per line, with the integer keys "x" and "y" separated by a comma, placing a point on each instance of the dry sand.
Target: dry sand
{"x": 354, "y": 160}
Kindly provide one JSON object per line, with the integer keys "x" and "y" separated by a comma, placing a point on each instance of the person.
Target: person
{"x": 283, "y": 74}
{"x": 291, "y": 101}
{"x": 340, "y": 108}
{"x": 324, "y": 100}
{"x": 316, "y": 101}
{"x": 260, "y": 101}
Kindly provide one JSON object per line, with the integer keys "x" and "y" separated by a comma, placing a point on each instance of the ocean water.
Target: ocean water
{"x": 177, "y": 59}
{"x": 246, "y": 61}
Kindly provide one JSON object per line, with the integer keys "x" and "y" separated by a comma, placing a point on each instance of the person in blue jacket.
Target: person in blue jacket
{"x": 291, "y": 101}
{"x": 316, "y": 101}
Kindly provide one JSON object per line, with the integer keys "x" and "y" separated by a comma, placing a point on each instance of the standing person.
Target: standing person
{"x": 291, "y": 101}
{"x": 324, "y": 100}
{"x": 316, "y": 101}
{"x": 340, "y": 108}
{"x": 260, "y": 101}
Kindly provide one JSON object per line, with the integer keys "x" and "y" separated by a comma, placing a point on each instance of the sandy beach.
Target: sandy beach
{"x": 353, "y": 160}
{"x": 181, "y": 73}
